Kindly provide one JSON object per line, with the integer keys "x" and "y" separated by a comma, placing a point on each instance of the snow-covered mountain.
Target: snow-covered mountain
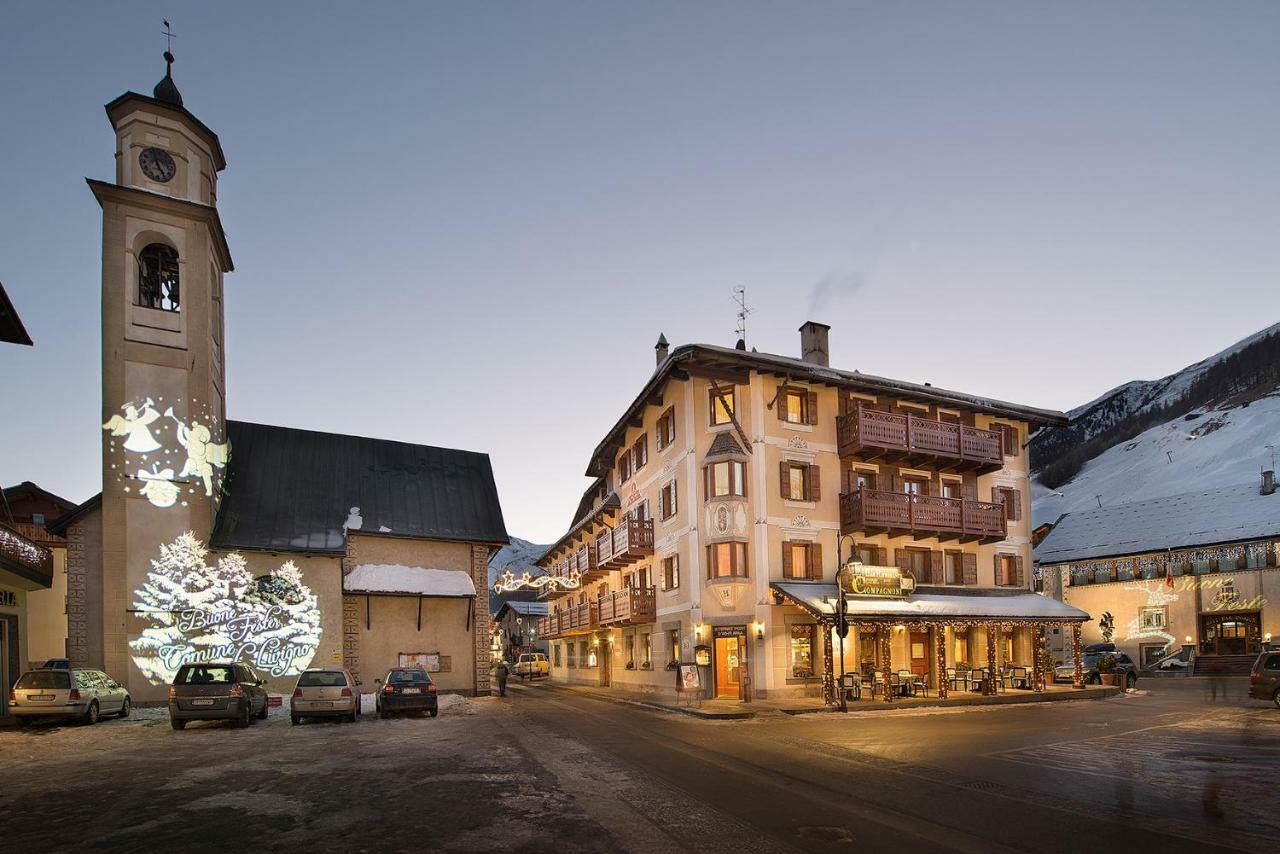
{"x": 1215, "y": 423}
{"x": 517, "y": 556}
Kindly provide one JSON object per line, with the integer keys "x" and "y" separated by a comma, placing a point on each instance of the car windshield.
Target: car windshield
{"x": 322, "y": 679}
{"x": 45, "y": 679}
{"x": 205, "y": 674}
{"x": 408, "y": 676}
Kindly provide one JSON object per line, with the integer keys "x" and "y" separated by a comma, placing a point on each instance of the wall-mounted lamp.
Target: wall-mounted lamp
{"x": 1188, "y": 639}
{"x": 1267, "y": 637}
{"x": 759, "y": 630}
{"x": 899, "y": 628}
{"x": 697, "y": 629}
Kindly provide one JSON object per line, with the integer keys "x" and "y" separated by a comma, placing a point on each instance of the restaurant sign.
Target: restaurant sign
{"x": 877, "y": 581}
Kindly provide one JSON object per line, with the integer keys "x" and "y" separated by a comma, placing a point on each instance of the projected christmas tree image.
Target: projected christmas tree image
{"x": 196, "y": 612}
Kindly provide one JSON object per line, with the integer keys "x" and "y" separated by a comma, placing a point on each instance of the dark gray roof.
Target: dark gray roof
{"x": 1202, "y": 518}
{"x": 725, "y": 445}
{"x": 293, "y": 490}
{"x": 535, "y": 609}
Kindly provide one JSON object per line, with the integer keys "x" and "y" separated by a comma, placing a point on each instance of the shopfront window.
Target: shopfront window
{"x": 960, "y": 648}
{"x": 802, "y": 643}
{"x": 673, "y": 645}
{"x": 646, "y": 649}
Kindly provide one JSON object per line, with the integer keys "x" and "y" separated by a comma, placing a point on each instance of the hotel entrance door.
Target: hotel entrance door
{"x": 920, "y": 653}
{"x": 1230, "y": 634}
{"x": 731, "y": 654}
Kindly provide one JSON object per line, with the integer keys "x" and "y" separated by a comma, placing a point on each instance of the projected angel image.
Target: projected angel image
{"x": 202, "y": 455}
{"x": 135, "y": 425}
{"x": 196, "y": 612}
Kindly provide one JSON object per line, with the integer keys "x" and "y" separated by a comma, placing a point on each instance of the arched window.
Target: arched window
{"x": 158, "y": 278}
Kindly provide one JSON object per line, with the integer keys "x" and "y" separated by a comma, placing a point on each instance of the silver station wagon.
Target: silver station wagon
{"x": 78, "y": 694}
{"x": 325, "y": 692}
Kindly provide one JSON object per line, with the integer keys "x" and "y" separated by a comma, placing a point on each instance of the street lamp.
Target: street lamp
{"x": 842, "y": 618}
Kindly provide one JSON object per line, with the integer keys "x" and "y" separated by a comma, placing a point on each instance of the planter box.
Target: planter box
{"x": 1110, "y": 678}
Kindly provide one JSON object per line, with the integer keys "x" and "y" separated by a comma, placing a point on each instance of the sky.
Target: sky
{"x": 466, "y": 224}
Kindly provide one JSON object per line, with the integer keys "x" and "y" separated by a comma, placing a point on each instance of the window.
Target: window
{"x": 961, "y": 647}
{"x": 665, "y": 435}
{"x": 1008, "y": 438}
{"x": 671, "y": 572}
{"x": 673, "y": 644}
{"x": 726, "y": 478}
{"x": 727, "y": 560}
{"x": 800, "y": 482}
{"x": 797, "y": 406}
{"x": 630, "y": 642}
{"x": 1011, "y": 499}
{"x": 1006, "y": 645}
{"x": 1152, "y": 618}
{"x": 572, "y": 649}
{"x": 624, "y": 466}
{"x": 37, "y": 518}
{"x": 870, "y": 554}
{"x": 951, "y": 489}
{"x": 1008, "y": 570}
{"x": 864, "y": 480}
{"x": 667, "y": 500}
{"x": 915, "y": 486}
{"x": 802, "y": 651}
{"x": 555, "y": 650}
{"x": 722, "y": 402}
{"x": 158, "y": 278}
{"x": 953, "y": 563}
{"x": 642, "y": 577}
{"x": 584, "y": 655}
{"x": 801, "y": 560}
{"x": 640, "y": 452}
{"x": 646, "y": 649}
{"x": 916, "y": 562}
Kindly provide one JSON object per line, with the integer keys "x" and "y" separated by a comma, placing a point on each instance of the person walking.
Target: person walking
{"x": 502, "y": 671}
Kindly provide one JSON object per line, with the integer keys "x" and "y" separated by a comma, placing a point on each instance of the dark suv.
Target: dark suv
{"x": 223, "y": 691}
{"x": 1125, "y": 666}
{"x": 1264, "y": 677}
{"x": 407, "y": 689}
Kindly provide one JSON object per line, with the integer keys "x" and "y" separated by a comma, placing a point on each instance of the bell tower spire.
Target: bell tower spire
{"x": 166, "y": 90}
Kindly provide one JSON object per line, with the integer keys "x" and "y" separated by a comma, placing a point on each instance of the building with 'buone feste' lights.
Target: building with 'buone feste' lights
{"x": 736, "y": 483}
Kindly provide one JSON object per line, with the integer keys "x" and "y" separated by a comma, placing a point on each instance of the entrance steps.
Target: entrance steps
{"x": 1224, "y": 665}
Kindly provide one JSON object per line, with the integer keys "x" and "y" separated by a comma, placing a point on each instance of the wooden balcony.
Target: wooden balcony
{"x": 628, "y": 607}
{"x": 629, "y": 542}
{"x": 581, "y": 562}
{"x": 23, "y": 557}
{"x": 873, "y": 511}
{"x": 572, "y": 620}
{"x": 869, "y": 434}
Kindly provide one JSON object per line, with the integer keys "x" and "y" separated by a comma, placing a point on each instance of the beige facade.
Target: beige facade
{"x": 771, "y": 529}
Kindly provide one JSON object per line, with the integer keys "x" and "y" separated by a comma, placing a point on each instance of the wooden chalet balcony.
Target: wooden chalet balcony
{"x": 582, "y": 562}
{"x": 870, "y": 434}
{"x": 573, "y": 620}
{"x": 628, "y": 607}
{"x": 873, "y": 511}
{"x": 622, "y": 546}
{"x": 19, "y": 554}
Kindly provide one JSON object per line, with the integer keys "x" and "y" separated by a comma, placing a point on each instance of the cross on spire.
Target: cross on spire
{"x": 168, "y": 38}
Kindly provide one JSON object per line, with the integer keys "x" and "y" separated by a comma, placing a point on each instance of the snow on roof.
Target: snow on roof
{"x": 1201, "y": 518}
{"x": 411, "y": 580}
{"x": 992, "y": 604}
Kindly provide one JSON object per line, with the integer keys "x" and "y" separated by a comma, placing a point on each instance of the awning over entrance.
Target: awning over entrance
{"x": 925, "y": 605}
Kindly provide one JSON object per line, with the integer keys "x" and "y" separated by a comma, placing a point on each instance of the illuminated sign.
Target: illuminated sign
{"x": 199, "y": 613}
{"x": 879, "y": 581}
{"x": 507, "y": 582}
{"x": 187, "y": 449}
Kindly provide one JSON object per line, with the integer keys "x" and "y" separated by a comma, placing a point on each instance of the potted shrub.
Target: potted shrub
{"x": 1107, "y": 670}
{"x": 673, "y": 664}
{"x": 648, "y": 665}
{"x": 631, "y": 665}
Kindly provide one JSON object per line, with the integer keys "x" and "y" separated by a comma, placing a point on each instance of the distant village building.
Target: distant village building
{"x": 1195, "y": 570}
{"x": 729, "y": 493}
{"x": 516, "y": 628}
{"x": 29, "y": 509}
{"x": 216, "y": 538}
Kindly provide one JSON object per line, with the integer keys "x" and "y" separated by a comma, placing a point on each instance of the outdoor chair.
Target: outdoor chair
{"x": 955, "y": 679}
{"x": 851, "y": 685}
{"x": 877, "y": 682}
{"x": 1017, "y": 676}
{"x": 895, "y": 684}
{"x": 977, "y": 677}
{"x": 907, "y": 680}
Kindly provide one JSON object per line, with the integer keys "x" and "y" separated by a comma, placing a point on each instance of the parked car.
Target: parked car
{"x": 1264, "y": 677}
{"x": 221, "y": 691}
{"x": 532, "y": 665}
{"x": 407, "y": 689}
{"x": 324, "y": 692}
{"x": 65, "y": 693}
{"x": 1125, "y": 666}
{"x": 57, "y": 664}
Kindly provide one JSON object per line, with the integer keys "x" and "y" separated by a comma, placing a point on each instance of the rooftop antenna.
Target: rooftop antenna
{"x": 1099, "y": 497}
{"x": 740, "y": 299}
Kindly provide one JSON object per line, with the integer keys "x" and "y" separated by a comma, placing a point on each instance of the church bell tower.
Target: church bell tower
{"x": 164, "y": 439}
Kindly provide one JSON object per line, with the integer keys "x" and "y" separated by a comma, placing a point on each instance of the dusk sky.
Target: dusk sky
{"x": 466, "y": 224}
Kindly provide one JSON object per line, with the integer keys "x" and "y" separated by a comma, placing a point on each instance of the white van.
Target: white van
{"x": 532, "y": 665}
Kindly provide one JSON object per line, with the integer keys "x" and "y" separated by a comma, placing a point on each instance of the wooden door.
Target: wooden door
{"x": 606, "y": 663}
{"x": 920, "y": 658}
{"x": 729, "y": 652}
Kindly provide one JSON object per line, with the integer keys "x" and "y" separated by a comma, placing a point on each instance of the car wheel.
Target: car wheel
{"x": 91, "y": 714}
{"x": 351, "y": 718}
{"x": 1093, "y": 679}
{"x": 262, "y": 716}
{"x": 1130, "y": 681}
{"x": 243, "y": 719}
{"x": 1275, "y": 698}
{"x": 24, "y": 722}
{"x": 434, "y": 712}
{"x": 177, "y": 724}
{"x": 293, "y": 719}
{"x": 125, "y": 708}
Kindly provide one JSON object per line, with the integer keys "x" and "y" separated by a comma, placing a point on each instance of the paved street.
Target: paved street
{"x": 548, "y": 769}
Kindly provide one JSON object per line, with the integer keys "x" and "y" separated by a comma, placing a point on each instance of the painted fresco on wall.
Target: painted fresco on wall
{"x": 197, "y": 612}
{"x": 161, "y": 456}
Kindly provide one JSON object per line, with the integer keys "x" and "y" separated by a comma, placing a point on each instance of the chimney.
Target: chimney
{"x": 813, "y": 343}
{"x": 1268, "y": 483}
{"x": 660, "y": 349}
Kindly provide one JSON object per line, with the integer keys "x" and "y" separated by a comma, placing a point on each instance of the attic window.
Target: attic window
{"x": 797, "y": 405}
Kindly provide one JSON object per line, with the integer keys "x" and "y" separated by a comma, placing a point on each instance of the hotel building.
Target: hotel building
{"x": 730, "y": 491}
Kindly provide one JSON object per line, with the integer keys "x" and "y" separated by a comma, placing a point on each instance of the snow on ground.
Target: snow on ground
{"x": 1219, "y": 448}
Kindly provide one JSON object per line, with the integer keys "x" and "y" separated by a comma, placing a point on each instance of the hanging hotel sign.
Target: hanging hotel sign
{"x": 878, "y": 581}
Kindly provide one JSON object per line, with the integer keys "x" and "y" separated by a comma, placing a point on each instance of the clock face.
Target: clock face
{"x": 156, "y": 164}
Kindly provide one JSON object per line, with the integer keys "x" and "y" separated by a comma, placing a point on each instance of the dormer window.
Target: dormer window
{"x": 158, "y": 285}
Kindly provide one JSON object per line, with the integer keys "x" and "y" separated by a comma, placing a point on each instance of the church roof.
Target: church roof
{"x": 290, "y": 490}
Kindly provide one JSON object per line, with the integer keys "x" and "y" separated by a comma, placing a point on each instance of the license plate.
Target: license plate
{"x": 202, "y": 702}
{"x": 323, "y": 704}
{"x": 412, "y": 690}
{"x": 40, "y": 698}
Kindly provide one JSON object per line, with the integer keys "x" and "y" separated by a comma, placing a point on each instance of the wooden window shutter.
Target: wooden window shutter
{"x": 815, "y": 560}
{"x": 675, "y": 500}
{"x": 787, "y": 563}
{"x": 1015, "y": 497}
{"x": 969, "y": 566}
{"x": 811, "y": 408}
{"x": 935, "y": 568}
{"x": 1019, "y": 577}
{"x": 882, "y": 556}
{"x": 969, "y": 490}
{"x": 814, "y": 482}
{"x": 710, "y": 567}
{"x": 780, "y": 403}
{"x": 999, "y": 559}
{"x": 706, "y": 483}
{"x": 903, "y": 560}
{"x": 784, "y": 479}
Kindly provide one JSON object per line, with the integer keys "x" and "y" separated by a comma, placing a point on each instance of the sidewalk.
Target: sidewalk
{"x": 736, "y": 710}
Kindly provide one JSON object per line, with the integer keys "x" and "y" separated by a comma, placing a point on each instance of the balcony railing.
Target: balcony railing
{"x": 871, "y": 511}
{"x": 628, "y": 607}
{"x": 629, "y": 542}
{"x": 572, "y": 620}
{"x": 872, "y": 434}
{"x": 25, "y": 557}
